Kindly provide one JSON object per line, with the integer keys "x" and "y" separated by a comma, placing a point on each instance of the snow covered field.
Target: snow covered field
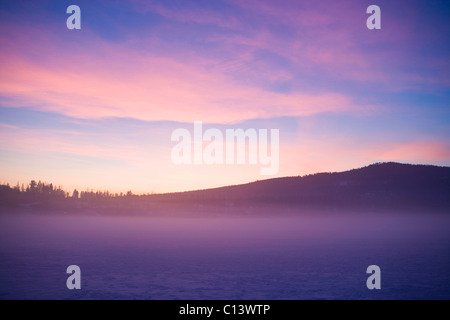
{"x": 225, "y": 258}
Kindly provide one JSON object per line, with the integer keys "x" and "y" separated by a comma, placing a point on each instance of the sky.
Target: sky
{"x": 96, "y": 107}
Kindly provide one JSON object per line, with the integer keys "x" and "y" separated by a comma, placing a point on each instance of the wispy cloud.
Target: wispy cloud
{"x": 119, "y": 82}
{"x": 220, "y": 62}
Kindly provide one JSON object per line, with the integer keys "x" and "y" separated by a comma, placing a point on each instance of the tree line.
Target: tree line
{"x": 49, "y": 190}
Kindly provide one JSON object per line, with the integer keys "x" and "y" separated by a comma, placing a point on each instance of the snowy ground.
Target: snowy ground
{"x": 239, "y": 258}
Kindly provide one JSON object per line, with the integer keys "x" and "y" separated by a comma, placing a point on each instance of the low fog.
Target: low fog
{"x": 311, "y": 256}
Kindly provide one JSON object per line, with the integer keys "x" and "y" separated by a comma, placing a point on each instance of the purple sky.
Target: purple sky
{"x": 96, "y": 107}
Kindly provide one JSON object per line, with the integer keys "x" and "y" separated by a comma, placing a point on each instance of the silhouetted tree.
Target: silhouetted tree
{"x": 33, "y": 186}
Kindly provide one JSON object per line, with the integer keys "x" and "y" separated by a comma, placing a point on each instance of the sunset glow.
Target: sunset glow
{"x": 95, "y": 108}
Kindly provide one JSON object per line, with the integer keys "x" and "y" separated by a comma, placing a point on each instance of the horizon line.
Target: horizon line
{"x": 59, "y": 186}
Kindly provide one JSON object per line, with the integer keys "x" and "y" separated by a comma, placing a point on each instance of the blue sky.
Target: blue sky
{"x": 96, "y": 107}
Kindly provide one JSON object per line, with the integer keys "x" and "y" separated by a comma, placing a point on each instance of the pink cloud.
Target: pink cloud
{"x": 113, "y": 81}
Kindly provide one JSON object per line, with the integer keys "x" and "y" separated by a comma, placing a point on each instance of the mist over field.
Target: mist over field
{"x": 309, "y": 237}
{"x": 304, "y": 257}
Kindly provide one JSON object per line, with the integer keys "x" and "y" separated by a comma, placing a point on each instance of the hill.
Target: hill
{"x": 377, "y": 187}
{"x": 381, "y": 185}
